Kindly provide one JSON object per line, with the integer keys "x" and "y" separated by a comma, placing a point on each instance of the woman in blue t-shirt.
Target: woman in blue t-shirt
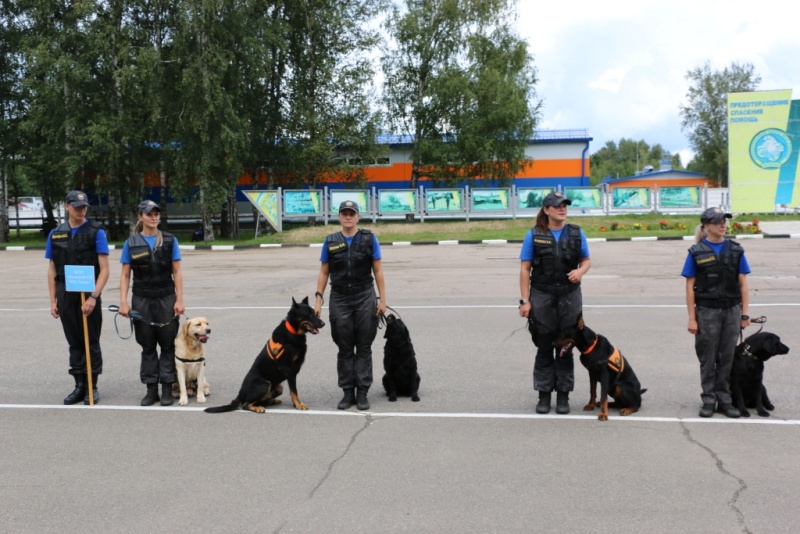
{"x": 154, "y": 258}
{"x": 716, "y": 297}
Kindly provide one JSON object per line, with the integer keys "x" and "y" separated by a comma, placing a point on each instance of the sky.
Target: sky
{"x": 618, "y": 68}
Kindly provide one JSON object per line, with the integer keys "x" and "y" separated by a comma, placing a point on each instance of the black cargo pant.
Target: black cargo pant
{"x": 353, "y": 328}
{"x": 156, "y": 369}
{"x": 69, "y": 310}
{"x": 717, "y": 333}
{"x": 550, "y": 314}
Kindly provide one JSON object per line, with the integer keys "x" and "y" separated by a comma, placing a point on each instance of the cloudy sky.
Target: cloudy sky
{"x": 618, "y": 68}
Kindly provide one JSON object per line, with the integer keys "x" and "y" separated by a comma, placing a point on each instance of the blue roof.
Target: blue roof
{"x": 539, "y": 136}
{"x": 650, "y": 175}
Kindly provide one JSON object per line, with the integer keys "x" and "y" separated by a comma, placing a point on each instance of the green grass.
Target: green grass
{"x": 609, "y": 227}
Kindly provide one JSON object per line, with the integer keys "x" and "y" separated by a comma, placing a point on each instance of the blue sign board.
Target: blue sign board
{"x": 79, "y": 278}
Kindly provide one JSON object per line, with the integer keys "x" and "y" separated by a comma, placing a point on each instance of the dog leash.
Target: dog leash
{"x": 757, "y": 320}
{"x": 134, "y": 315}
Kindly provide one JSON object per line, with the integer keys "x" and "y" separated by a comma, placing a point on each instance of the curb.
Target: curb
{"x": 442, "y": 243}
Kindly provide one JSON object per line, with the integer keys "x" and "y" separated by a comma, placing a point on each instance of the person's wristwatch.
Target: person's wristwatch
{"x": 523, "y": 301}
{"x": 95, "y": 297}
{"x": 745, "y": 317}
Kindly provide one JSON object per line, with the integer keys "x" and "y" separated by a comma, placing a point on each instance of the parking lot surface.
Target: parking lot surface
{"x": 472, "y": 456}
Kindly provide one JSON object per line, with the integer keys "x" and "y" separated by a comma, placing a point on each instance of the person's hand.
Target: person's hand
{"x": 54, "y": 310}
{"x": 179, "y": 308}
{"x": 124, "y": 309}
{"x": 575, "y": 276}
{"x": 88, "y": 306}
{"x": 693, "y": 326}
{"x": 525, "y": 309}
{"x": 381, "y": 308}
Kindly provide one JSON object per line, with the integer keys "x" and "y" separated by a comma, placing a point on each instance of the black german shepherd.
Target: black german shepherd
{"x": 279, "y": 360}
{"x": 605, "y": 365}
{"x": 399, "y": 361}
{"x": 747, "y": 374}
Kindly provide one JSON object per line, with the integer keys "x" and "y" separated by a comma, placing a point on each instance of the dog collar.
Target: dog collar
{"x": 184, "y": 360}
{"x": 592, "y": 346}
{"x": 290, "y": 328}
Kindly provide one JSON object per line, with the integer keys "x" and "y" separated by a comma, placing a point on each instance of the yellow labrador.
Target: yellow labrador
{"x": 190, "y": 360}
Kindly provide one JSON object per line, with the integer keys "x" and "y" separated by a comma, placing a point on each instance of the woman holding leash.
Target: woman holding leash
{"x": 716, "y": 272}
{"x": 78, "y": 242}
{"x": 350, "y": 258}
{"x": 553, "y": 260}
{"x": 154, "y": 258}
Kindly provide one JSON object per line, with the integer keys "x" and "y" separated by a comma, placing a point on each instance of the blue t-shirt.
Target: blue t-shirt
{"x": 100, "y": 241}
{"x": 690, "y": 267}
{"x": 376, "y": 248}
{"x": 151, "y": 240}
{"x": 526, "y": 254}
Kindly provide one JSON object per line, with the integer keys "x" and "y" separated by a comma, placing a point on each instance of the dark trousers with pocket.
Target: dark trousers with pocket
{"x": 156, "y": 368}
{"x": 353, "y": 327}
{"x": 69, "y": 311}
{"x": 550, "y": 314}
{"x": 717, "y": 333}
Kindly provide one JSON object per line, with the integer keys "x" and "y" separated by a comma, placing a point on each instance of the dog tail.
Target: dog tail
{"x": 233, "y": 406}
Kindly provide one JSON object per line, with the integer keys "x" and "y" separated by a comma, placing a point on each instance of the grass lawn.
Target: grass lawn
{"x": 609, "y": 227}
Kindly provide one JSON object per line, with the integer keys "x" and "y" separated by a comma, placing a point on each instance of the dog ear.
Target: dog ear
{"x": 294, "y": 303}
{"x": 305, "y": 300}
{"x": 185, "y": 327}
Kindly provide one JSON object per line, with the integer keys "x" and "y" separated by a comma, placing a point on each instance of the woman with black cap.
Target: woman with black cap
{"x": 154, "y": 258}
{"x": 716, "y": 272}
{"x": 553, "y": 260}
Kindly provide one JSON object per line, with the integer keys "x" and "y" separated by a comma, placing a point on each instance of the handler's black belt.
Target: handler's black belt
{"x": 556, "y": 290}
{"x": 354, "y": 290}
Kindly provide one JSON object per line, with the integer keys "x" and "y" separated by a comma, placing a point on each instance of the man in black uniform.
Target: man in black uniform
{"x": 78, "y": 242}
{"x": 350, "y": 258}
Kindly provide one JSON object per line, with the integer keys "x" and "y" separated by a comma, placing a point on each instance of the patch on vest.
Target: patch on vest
{"x": 139, "y": 255}
{"x": 709, "y": 259}
{"x": 336, "y": 247}
{"x": 59, "y": 237}
{"x": 616, "y": 362}
{"x": 274, "y": 349}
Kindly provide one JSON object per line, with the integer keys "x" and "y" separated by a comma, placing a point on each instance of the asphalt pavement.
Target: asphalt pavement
{"x": 471, "y": 456}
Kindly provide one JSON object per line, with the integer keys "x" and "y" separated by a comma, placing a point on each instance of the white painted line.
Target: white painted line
{"x": 270, "y": 245}
{"x": 401, "y": 243}
{"x": 450, "y": 242}
{"x": 316, "y": 245}
{"x": 495, "y": 241}
{"x": 221, "y": 247}
{"x": 419, "y": 415}
{"x": 186, "y": 247}
{"x": 596, "y": 239}
{"x": 644, "y": 238}
{"x": 15, "y": 248}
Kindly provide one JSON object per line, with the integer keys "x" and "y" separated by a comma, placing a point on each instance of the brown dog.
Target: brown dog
{"x": 190, "y": 361}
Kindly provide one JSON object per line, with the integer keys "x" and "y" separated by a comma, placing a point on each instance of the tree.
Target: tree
{"x": 627, "y": 158}
{"x": 461, "y": 85}
{"x": 705, "y": 116}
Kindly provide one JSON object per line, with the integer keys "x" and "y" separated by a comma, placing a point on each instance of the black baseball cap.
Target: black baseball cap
{"x": 348, "y": 205}
{"x": 555, "y": 199}
{"x": 76, "y": 199}
{"x": 714, "y": 215}
{"x": 146, "y": 206}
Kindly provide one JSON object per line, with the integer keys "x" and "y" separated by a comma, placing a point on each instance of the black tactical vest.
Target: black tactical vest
{"x": 350, "y": 267}
{"x": 78, "y": 249}
{"x": 717, "y": 282}
{"x": 152, "y": 269}
{"x": 553, "y": 261}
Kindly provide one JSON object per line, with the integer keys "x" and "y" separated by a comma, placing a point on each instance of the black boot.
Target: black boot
{"x": 79, "y": 392}
{"x": 361, "y": 400}
{"x": 166, "y": 395}
{"x": 151, "y": 397}
{"x": 95, "y": 394}
{"x": 543, "y": 406}
{"x": 348, "y": 400}
{"x": 562, "y": 402}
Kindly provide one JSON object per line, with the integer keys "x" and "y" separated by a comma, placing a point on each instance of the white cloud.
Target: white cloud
{"x": 618, "y": 67}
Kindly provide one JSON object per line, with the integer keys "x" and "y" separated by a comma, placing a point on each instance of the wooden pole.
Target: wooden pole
{"x": 88, "y": 356}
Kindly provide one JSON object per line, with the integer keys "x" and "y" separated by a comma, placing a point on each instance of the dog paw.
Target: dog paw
{"x": 415, "y": 398}
{"x": 183, "y": 401}
{"x": 602, "y": 417}
{"x": 301, "y": 406}
{"x": 763, "y": 413}
{"x": 392, "y": 398}
{"x": 589, "y": 407}
{"x": 201, "y": 398}
{"x": 769, "y": 407}
{"x": 744, "y": 413}
{"x": 626, "y": 411}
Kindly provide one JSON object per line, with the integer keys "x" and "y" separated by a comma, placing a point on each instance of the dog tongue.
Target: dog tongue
{"x": 202, "y": 339}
